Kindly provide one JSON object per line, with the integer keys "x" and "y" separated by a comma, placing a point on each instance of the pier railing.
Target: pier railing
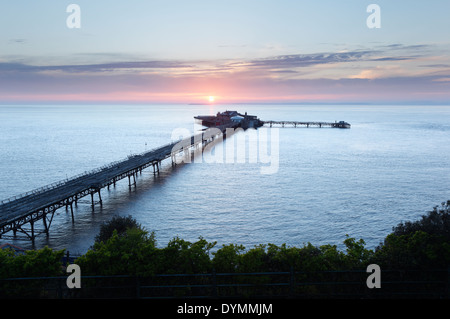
{"x": 57, "y": 184}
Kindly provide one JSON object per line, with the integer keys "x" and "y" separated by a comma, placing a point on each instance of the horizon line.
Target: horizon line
{"x": 24, "y": 103}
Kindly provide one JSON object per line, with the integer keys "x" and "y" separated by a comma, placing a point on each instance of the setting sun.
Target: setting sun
{"x": 211, "y": 99}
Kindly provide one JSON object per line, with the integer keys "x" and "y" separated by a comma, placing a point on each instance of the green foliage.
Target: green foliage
{"x": 332, "y": 258}
{"x": 132, "y": 253}
{"x": 254, "y": 260}
{"x": 181, "y": 256}
{"x": 262, "y": 258}
{"x": 357, "y": 256}
{"x": 418, "y": 245}
{"x": 44, "y": 262}
{"x": 135, "y": 253}
{"x": 418, "y": 250}
{"x": 228, "y": 258}
{"x": 124, "y": 248}
{"x": 436, "y": 222}
{"x": 33, "y": 263}
{"x": 412, "y": 244}
{"x": 118, "y": 224}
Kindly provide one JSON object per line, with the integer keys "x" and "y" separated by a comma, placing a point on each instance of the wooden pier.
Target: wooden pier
{"x": 340, "y": 124}
{"x": 22, "y": 211}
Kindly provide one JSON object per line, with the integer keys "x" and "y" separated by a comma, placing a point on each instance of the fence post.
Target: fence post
{"x": 59, "y": 294}
{"x": 291, "y": 281}
{"x": 214, "y": 283}
{"x": 448, "y": 282}
{"x": 138, "y": 287}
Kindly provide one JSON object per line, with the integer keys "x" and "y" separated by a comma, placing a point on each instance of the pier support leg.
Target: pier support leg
{"x": 174, "y": 160}
{"x": 129, "y": 180}
{"x": 44, "y": 219}
{"x": 100, "y": 198}
{"x": 92, "y": 200}
{"x": 156, "y": 168}
{"x": 32, "y": 231}
{"x": 71, "y": 212}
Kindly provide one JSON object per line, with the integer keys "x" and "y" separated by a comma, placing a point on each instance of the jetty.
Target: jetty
{"x": 20, "y": 214}
{"x": 340, "y": 124}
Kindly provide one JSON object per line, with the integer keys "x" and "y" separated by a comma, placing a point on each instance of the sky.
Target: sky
{"x": 246, "y": 51}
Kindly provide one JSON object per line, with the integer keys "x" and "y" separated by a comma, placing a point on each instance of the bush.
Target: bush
{"x": 33, "y": 263}
{"x": 436, "y": 222}
{"x": 132, "y": 253}
{"x": 130, "y": 250}
{"x": 423, "y": 244}
{"x": 118, "y": 224}
{"x": 124, "y": 248}
{"x": 181, "y": 256}
{"x": 228, "y": 258}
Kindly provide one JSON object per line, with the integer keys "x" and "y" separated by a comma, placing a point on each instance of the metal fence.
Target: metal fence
{"x": 406, "y": 284}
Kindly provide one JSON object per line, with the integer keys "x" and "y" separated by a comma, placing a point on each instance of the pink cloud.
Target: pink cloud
{"x": 278, "y": 79}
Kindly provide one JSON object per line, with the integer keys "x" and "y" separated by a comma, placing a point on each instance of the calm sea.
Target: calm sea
{"x": 391, "y": 166}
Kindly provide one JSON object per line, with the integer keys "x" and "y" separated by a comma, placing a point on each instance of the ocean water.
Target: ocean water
{"x": 391, "y": 166}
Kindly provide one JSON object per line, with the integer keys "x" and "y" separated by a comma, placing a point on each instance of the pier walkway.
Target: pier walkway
{"x": 22, "y": 211}
{"x": 340, "y": 124}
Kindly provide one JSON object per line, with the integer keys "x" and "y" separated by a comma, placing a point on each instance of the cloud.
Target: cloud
{"x": 102, "y": 67}
{"x": 335, "y": 59}
{"x": 440, "y": 66}
{"x": 306, "y": 60}
{"x": 399, "y": 58}
{"x": 17, "y": 41}
{"x": 388, "y": 53}
{"x": 380, "y": 74}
